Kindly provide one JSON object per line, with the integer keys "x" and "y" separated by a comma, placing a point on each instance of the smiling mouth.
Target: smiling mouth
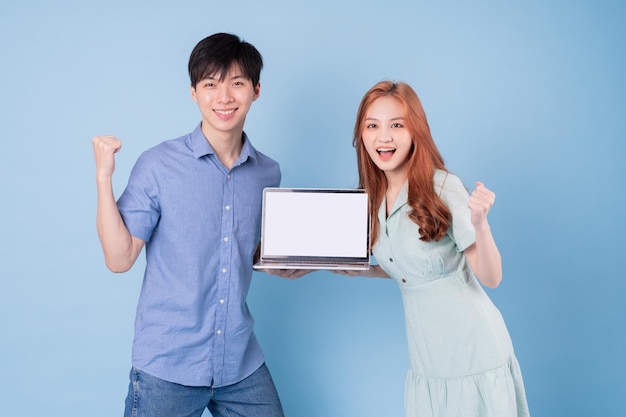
{"x": 224, "y": 112}
{"x": 385, "y": 152}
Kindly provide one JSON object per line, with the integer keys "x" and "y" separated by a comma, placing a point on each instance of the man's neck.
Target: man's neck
{"x": 227, "y": 145}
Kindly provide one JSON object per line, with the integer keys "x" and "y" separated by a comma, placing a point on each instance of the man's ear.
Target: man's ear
{"x": 257, "y": 91}
{"x": 193, "y": 93}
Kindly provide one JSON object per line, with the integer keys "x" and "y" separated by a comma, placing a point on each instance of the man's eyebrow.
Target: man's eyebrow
{"x": 217, "y": 76}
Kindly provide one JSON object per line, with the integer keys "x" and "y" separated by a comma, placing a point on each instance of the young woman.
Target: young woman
{"x": 434, "y": 240}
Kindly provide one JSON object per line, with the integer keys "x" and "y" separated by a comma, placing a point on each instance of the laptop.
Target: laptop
{"x": 314, "y": 228}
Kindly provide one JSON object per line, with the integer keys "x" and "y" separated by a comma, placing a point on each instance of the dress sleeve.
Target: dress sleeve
{"x": 454, "y": 195}
{"x": 139, "y": 203}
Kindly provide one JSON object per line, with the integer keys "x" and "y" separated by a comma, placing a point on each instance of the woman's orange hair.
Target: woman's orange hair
{"x": 428, "y": 211}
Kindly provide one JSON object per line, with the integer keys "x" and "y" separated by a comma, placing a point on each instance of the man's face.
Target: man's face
{"x": 225, "y": 104}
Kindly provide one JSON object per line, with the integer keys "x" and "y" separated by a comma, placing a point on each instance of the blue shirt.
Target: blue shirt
{"x": 201, "y": 223}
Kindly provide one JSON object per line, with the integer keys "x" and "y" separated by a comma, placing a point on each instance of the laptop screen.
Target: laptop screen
{"x": 312, "y": 224}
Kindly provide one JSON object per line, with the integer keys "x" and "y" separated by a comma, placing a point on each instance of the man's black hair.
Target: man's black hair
{"x": 215, "y": 55}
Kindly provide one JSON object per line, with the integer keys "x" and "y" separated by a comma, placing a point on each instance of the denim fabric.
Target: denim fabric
{"x": 255, "y": 396}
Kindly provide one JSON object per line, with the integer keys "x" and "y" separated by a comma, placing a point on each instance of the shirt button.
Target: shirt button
{"x": 219, "y": 332}
{"x": 227, "y": 207}
{"x": 228, "y": 176}
{"x": 222, "y": 301}
{"x": 224, "y": 270}
{"x": 390, "y": 259}
{"x": 403, "y": 280}
{"x": 226, "y": 239}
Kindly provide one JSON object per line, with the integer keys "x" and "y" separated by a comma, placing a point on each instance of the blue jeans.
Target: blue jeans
{"x": 255, "y": 396}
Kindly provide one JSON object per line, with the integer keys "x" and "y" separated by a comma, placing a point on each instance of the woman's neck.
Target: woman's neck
{"x": 394, "y": 185}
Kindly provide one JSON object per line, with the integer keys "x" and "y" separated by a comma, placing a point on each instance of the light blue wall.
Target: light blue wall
{"x": 528, "y": 97}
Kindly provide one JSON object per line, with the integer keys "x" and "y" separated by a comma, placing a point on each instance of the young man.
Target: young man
{"x": 195, "y": 204}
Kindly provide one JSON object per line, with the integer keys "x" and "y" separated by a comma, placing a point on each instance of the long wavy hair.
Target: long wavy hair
{"x": 428, "y": 211}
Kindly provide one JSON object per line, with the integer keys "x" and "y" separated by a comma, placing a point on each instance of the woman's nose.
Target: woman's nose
{"x": 385, "y": 136}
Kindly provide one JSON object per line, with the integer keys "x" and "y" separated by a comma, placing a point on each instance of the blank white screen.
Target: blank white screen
{"x": 315, "y": 224}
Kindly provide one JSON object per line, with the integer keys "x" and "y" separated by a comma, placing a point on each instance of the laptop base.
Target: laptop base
{"x": 333, "y": 267}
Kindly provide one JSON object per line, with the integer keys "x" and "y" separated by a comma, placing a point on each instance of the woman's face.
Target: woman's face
{"x": 386, "y": 137}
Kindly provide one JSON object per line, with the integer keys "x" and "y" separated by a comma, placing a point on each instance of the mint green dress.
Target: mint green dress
{"x": 462, "y": 362}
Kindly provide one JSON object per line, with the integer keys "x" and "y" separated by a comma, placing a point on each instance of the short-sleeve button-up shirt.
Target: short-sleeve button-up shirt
{"x": 201, "y": 223}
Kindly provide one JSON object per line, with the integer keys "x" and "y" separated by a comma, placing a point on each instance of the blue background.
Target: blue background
{"x": 528, "y": 97}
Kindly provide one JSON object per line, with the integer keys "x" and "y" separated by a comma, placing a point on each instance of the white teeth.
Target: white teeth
{"x": 385, "y": 149}
{"x": 224, "y": 111}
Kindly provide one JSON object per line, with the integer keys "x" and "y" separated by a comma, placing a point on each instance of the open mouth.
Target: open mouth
{"x": 224, "y": 112}
{"x": 385, "y": 153}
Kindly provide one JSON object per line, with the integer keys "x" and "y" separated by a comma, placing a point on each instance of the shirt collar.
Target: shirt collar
{"x": 401, "y": 200}
{"x": 201, "y": 146}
